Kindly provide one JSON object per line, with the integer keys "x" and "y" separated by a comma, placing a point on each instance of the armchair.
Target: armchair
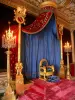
{"x": 45, "y": 69}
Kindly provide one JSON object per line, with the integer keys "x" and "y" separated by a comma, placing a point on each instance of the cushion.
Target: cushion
{"x": 53, "y": 79}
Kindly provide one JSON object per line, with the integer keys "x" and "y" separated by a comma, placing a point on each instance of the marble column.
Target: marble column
{"x": 73, "y": 47}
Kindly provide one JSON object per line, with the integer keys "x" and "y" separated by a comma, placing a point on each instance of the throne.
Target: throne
{"x": 45, "y": 69}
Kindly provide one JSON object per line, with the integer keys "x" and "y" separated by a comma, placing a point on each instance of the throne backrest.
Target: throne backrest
{"x": 45, "y": 69}
{"x": 43, "y": 62}
{"x": 44, "y": 66}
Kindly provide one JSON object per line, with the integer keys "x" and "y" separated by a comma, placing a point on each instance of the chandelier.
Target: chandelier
{"x": 67, "y": 49}
{"x": 8, "y": 40}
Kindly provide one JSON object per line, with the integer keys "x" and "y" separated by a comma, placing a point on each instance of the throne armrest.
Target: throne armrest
{"x": 50, "y": 68}
{"x": 43, "y": 69}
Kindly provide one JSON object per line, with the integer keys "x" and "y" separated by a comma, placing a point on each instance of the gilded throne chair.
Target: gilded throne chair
{"x": 45, "y": 69}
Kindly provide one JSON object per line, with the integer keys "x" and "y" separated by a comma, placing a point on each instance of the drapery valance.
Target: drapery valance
{"x": 40, "y": 22}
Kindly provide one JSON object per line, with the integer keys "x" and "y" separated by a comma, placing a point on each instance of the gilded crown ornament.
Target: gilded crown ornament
{"x": 20, "y": 14}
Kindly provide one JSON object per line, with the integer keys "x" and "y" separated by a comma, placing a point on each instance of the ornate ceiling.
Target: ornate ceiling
{"x": 65, "y": 11}
{"x": 66, "y": 15}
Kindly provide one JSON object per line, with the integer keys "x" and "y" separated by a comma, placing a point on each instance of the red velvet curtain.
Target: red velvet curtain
{"x": 14, "y": 52}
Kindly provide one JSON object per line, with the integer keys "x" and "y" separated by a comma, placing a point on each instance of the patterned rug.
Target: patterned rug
{"x": 42, "y": 90}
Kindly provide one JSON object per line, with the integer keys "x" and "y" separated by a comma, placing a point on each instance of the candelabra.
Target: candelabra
{"x": 67, "y": 49}
{"x": 8, "y": 41}
{"x": 20, "y": 14}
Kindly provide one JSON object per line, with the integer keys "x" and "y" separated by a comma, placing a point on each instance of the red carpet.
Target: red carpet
{"x": 42, "y": 90}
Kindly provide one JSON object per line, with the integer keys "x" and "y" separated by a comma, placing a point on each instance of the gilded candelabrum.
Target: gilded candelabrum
{"x": 20, "y": 14}
{"x": 67, "y": 49}
{"x": 8, "y": 41}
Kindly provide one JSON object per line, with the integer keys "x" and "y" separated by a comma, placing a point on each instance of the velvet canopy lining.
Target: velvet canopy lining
{"x": 40, "y": 22}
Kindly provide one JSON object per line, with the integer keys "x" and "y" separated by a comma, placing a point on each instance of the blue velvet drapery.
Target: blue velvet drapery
{"x": 44, "y": 44}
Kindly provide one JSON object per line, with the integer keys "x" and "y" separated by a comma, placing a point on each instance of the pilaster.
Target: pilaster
{"x": 73, "y": 47}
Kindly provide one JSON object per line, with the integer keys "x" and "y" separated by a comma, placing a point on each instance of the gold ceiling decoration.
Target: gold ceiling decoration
{"x": 62, "y": 3}
{"x": 65, "y": 12}
{"x": 55, "y": 4}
